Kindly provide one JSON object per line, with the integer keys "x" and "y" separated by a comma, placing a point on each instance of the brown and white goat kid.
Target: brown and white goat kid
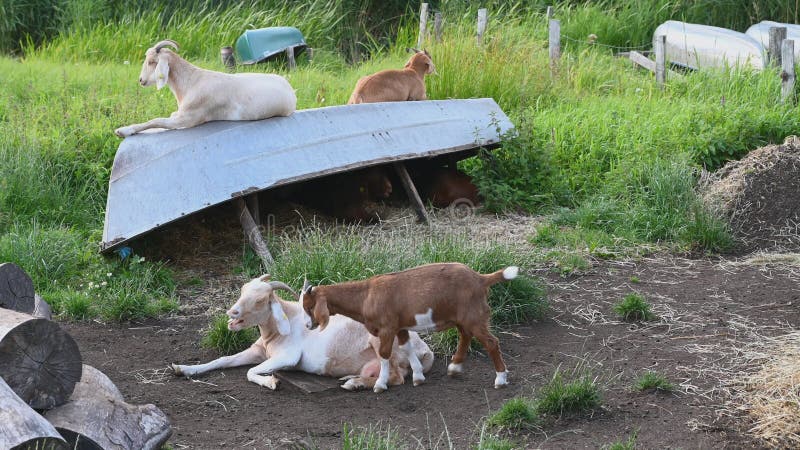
{"x": 343, "y": 349}
{"x": 392, "y": 85}
{"x": 205, "y": 95}
{"x": 433, "y": 297}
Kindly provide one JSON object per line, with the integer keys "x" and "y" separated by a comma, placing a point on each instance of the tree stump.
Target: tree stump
{"x": 21, "y": 426}
{"x": 16, "y": 289}
{"x": 97, "y": 417}
{"x": 38, "y": 360}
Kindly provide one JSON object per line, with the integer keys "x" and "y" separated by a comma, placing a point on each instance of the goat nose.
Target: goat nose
{"x": 141, "y": 81}
{"x": 233, "y": 313}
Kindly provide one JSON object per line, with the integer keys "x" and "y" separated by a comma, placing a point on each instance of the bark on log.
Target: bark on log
{"x": 21, "y": 426}
{"x": 38, "y": 359}
{"x": 16, "y": 289}
{"x": 41, "y": 308}
{"x": 97, "y": 417}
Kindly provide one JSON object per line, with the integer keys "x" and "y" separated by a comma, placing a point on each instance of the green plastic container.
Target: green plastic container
{"x": 259, "y": 45}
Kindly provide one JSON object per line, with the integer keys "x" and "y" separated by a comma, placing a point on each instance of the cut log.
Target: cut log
{"x": 21, "y": 426}
{"x": 97, "y": 417}
{"x": 16, "y": 289}
{"x": 41, "y": 308}
{"x": 38, "y": 359}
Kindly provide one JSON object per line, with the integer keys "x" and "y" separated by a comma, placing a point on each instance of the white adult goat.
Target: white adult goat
{"x": 204, "y": 95}
{"x": 343, "y": 349}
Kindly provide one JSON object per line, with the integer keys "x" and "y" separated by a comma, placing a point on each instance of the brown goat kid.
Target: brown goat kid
{"x": 433, "y": 297}
{"x": 392, "y": 85}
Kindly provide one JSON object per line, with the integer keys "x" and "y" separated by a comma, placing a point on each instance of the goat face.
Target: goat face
{"x": 315, "y": 307}
{"x": 256, "y": 305}
{"x": 155, "y": 68}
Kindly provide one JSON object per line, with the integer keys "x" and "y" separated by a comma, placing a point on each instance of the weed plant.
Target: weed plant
{"x": 561, "y": 396}
{"x": 515, "y": 414}
{"x": 653, "y": 381}
{"x": 219, "y": 337}
{"x": 629, "y": 444}
{"x": 634, "y": 308}
{"x": 371, "y": 438}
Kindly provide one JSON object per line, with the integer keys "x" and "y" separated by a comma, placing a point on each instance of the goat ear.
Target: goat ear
{"x": 265, "y": 277}
{"x": 284, "y": 327}
{"x": 162, "y": 70}
{"x": 321, "y": 313}
{"x": 306, "y": 287}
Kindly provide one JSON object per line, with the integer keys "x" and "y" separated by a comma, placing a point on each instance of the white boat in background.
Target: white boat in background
{"x": 703, "y": 46}
{"x": 760, "y": 32}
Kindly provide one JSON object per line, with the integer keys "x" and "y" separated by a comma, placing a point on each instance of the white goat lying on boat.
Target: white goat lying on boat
{"x": 205, "y": 95}
{"x": 343, "y": 349}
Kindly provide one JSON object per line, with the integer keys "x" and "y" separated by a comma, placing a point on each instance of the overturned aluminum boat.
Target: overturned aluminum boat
{"x": 160, "y": 177}
{"x": 760, "y": 32}
{"x": 703, "y": 46}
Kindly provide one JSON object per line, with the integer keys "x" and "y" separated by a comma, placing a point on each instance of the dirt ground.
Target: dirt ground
{"x": 707, "y": 307}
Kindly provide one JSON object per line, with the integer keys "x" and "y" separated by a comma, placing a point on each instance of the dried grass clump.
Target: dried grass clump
{"x": 760, "y": 196}
{"x": 771, "y": 396}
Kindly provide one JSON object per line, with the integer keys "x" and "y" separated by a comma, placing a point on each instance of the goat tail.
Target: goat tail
{"x": 509, "y": 273}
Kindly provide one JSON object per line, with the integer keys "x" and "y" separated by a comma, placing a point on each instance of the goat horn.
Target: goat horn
{"x": 164, "y": 43}
{"x": 281, "y": 285}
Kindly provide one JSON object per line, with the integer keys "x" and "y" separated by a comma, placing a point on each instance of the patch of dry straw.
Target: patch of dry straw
{"x": 771, "y": 396}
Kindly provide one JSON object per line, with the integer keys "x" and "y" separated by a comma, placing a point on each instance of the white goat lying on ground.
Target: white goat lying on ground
{"x": 205, "y": 95}
{"x": 432, "y": 297}
{"x": 343, "y": 349}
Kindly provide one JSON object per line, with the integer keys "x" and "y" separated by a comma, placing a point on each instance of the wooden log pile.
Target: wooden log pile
{"x": 48, "y": 398}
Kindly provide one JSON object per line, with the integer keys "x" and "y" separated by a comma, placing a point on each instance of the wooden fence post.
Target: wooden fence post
{"x": 437, "y": 26}
{"x": 787, "y": 74}
{"x": 423, "y": 24}
{"x": 555, "y": 43}
{"x": 776, "y": 36}
{"x": 290, "y": 58}
{"x": 661, "y": 60}
{"x": 481, "y": 24}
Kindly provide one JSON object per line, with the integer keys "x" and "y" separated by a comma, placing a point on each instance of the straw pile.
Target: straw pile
{"x": 760, "y": 196}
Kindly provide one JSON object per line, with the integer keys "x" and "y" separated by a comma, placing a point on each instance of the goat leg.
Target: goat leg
{"x": 252, "y": 355}
{"x": 262, "y": 374}
{"x": 175, "y": 121}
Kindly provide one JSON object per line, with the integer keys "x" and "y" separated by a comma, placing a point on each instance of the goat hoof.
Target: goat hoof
{"x": 501, "y": 380}
{"x": 176, "y": 370}
{"x": 270, "y": 382}
{"x": 418, "y": 381}
{"x": 454, "y": 369}
{"x": 353, "y": 384}
{"x": 378, "y": 389}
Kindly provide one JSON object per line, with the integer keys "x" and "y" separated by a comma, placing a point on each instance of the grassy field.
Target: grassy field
{"x": 610, "y": 160}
